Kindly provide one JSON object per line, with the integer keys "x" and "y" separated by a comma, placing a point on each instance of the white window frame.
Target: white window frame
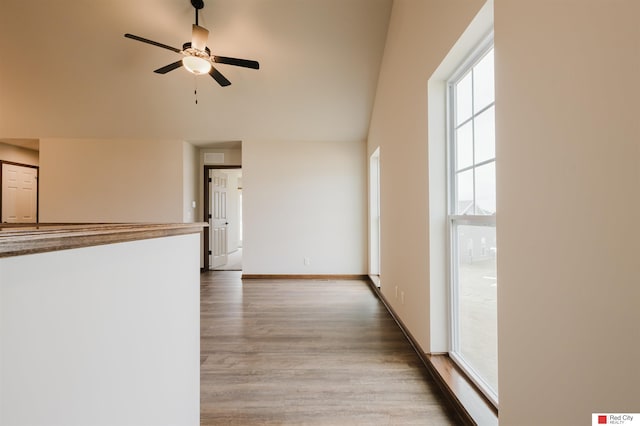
{"x": 455, "y": 219}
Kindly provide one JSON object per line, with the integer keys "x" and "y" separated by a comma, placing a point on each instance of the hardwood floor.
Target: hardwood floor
{"x": 291, "y": 352}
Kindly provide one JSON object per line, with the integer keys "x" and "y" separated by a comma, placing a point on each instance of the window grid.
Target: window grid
{"x": 473, "y": 216}
{"x": 471, "y": 120}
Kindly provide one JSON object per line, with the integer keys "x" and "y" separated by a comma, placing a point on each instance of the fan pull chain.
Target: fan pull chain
{"x": 195, "y": 90}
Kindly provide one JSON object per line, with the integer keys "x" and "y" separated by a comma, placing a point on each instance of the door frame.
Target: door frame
{"x": 12, "y": 163}
{"x": 207, "y": 208}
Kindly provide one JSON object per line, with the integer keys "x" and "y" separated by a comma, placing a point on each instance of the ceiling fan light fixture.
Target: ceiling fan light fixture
{"x": 196, "y": 65}
{"x": 196, "y": 56}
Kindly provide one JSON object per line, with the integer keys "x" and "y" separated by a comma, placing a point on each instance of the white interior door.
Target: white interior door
{"x": 218, "y": 224}
{"x": 19, "y": 194}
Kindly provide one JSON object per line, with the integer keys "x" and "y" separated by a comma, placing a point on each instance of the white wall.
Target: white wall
{"x": 568, "y": 171}
{"x": 98, "y": 180}
{"x": 304, "y": 200}
{"x": 568, "y": 175}
{"x": 104, "y": 335}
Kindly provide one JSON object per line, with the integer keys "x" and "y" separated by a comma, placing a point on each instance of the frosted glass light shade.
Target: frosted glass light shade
{"x": 196, "y": 65}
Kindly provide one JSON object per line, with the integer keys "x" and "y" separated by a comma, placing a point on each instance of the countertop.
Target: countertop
{"x": 21, "y": 239}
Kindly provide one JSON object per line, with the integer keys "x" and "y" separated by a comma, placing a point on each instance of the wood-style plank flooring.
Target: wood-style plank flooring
{"x": 288, "y": 352}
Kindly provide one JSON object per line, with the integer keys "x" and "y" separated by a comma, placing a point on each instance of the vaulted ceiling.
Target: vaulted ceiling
{"x": 67, "y": 71}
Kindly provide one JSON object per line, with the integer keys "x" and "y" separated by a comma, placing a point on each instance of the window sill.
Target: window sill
{"x": 467, "y": 399}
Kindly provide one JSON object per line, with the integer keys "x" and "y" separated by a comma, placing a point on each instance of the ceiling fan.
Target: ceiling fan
{"x": 196, "y": 56}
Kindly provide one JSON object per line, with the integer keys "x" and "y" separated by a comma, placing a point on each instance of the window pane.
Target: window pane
{"x": 477, "y": 302}
{"x": 464, "y": 192}
{"x": 485, "y": 135}
{"x": 463, "y": 99}
{"x": 473, "y": 191}
{"x": 483, "y": 90}
{"x": 486, "y": 189}
{"x": 464, "y": 146}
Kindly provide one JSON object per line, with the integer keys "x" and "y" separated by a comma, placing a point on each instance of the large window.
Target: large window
{"x": 472, "y": 220}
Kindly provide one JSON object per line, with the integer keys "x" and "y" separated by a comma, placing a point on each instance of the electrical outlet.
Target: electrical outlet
{"x": 307, "y": 261}
{"x": 402, "y": 297}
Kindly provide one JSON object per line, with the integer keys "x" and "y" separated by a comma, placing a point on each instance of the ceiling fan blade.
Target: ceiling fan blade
{"x": 170, "y": 67}
{"x": 221, "y": 79}
{"x": 199, "y": 37}
{"x": 155, "y": 43}
{"x": 246, "y": 63}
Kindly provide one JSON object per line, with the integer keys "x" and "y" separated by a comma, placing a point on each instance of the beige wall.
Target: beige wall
{"x": 232, "y": 156}
{"x": 111, "y": 180}
{"x": 190, "y": 182}
{"x": 420, "y": 35}
{"x": 304, "y": 199}
{"x": 568, "y": 151}
{"x": 17, "y": 154}
{"x": 568, "y": 176}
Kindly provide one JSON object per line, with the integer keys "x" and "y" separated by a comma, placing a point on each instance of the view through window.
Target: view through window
{"x": 472, "y": 223}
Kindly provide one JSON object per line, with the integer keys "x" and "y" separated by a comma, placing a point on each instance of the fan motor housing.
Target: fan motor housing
{"x": 186, "y": 46}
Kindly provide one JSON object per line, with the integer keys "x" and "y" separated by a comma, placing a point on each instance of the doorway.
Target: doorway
{"x": 19, "y": 193}
{"x": 374, "y": 217}
{"x": 223, "y": 210}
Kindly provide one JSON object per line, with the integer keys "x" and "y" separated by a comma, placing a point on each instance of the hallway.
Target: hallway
{"x": 308, "y": 352}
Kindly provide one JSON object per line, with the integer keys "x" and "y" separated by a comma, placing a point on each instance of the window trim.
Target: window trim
{"x": 453, "y": 218}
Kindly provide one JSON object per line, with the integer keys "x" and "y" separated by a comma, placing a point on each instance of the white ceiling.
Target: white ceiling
{"x": 67, "y": 71}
